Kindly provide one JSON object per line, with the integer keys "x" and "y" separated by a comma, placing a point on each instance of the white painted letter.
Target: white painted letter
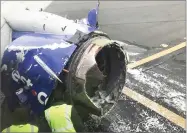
{"x": 15, "y": 75}
{"x": 39, "y": 97}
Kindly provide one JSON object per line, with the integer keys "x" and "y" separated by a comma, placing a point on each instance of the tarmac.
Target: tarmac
{"x": 148, "y": 28}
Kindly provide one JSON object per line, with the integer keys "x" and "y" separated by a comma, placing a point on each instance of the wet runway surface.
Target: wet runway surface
{"x": 144, "y": 26}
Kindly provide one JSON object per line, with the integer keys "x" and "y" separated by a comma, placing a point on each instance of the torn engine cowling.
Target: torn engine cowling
{"x": 34, "y": 63}
{"x": 97, "y": 73}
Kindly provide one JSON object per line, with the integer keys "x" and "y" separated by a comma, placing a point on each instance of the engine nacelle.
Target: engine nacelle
{"x": 54, "y": 52}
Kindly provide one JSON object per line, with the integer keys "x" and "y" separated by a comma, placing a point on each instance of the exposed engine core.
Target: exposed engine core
{"x": 97, "y": 73}
{"x": 41, "y": 51}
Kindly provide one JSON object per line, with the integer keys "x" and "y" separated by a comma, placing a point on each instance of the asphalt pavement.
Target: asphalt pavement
{"x": 145, "y": 26}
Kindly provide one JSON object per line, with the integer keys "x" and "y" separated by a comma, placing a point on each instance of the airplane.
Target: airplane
{"x": 48, "y": 51}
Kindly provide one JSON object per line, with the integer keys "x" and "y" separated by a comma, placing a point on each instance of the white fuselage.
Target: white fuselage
{"x": 16, "y": 17}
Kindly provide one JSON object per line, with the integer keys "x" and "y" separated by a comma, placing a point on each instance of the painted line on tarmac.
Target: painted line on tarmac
{"x": 171, "y": 116}
{"x": 157, "y": 55}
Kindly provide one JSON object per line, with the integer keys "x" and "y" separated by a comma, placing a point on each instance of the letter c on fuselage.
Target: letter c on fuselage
{"x": 40, "y": 95}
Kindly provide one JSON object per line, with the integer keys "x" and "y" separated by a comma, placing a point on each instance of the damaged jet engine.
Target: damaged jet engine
{"x": 87, "y": 66}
